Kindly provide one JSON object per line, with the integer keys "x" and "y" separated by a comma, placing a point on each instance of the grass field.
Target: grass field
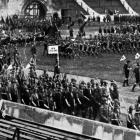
{"x": 106, "y": 67}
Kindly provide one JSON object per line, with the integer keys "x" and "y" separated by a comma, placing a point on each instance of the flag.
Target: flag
{"x": 137, "y": 56}
{"x": 3, "y": 31}
{"x": 123, "y": 58}
{"x": 10, "y": 67}
{"x": 53, "y": 49}
{"x": 1, "y": 56}
{"x": 82, "y": 14}
{"x": 28, "y": 66}
{"x": 73, "y": 39}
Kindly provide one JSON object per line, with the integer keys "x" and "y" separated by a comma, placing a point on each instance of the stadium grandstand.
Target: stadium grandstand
{"x": 135, "y": 4}
{"x": 101, "y": 5}
{"x": 69, "y": 7}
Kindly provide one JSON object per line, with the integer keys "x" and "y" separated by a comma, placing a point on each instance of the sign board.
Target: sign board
{"x": 53, "y": 49}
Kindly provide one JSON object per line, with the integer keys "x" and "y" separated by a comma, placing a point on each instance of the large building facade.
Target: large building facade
{"x": 39, "y": 8}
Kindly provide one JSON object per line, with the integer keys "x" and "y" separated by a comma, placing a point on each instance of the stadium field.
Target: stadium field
{"x": 107, "y": 66}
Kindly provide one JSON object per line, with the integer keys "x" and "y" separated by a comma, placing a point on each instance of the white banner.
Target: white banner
{"x": 53, "y": 49}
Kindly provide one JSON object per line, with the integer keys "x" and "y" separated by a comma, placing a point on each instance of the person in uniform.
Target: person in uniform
{"x": 105, "y": 31}
{"x": 45, "y": 48}
{"x": 16, "y": 57}
{"x": 137, "y": 77}
{"x": 98, "y": 19}
{"x": 71, "y": 32}
{"x": 78, "y": 103}
{"x": 4, "y": 70}
{"x": 32, "y": 76}
{"x": 13, "y": 90}
{"x": 126, "y": 70}
{"x": 1, "y": 60}
{"x": 115, "y": 117}
{"x": 20, "y": 79}
{"x": 57, "y": 96}
{"x": 44, "y": 76}
{"x": 96, "y": 100}
{"x": 56, "y": 69}
{"x": 114, "y": 93}
{"x": 100, "y": 30}
{"x": 87, "y": 92}
{"x": 8, "y": 58}
{"x": 112, "y": 30}
{"x": 25, "y": 95}
{"x": 33, "y": 50}
{"x": 70, "y": 101}
{"x": 137, "y": 113}
{"x": 33, "y": 61}
{"x": 34, "y": 98}
{"x": 130, "y": 119}
{"x": 108, "y": 30}
{"x": 104, "y": 111}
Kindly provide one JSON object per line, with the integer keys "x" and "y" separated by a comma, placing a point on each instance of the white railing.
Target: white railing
{"x": 89, "y": 9}
{"x": 128, "y": 7}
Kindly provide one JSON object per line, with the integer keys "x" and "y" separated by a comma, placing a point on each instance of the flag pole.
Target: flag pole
{"x": 58, "y": 59}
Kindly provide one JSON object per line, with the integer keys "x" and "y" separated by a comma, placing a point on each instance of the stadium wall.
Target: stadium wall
{"x": 69, "y": 123}
{"x": 12, "y": 7}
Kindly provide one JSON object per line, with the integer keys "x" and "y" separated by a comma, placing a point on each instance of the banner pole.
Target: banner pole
{"x": 58, "y": 57}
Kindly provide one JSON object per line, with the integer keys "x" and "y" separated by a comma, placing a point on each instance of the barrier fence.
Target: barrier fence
{"x": 69, "y": 123}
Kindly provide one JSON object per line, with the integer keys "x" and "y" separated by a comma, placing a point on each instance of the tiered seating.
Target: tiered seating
{"x": 101, "y": 5}
{"x": 32, "y": 131}
{"x": 69, "y": 4}
{"x": 74, "y": 4}
{"x": 135, "y": 5}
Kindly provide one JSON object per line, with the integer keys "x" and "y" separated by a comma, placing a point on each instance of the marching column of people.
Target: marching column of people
{"x": 92, "y": 100}
{"x": 118, "y": 39}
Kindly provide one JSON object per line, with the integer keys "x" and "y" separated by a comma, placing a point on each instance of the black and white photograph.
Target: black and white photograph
{"x": 69, "y": 69}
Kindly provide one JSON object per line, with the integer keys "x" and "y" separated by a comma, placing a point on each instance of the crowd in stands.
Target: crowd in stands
{"x": 126, "y": 19}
